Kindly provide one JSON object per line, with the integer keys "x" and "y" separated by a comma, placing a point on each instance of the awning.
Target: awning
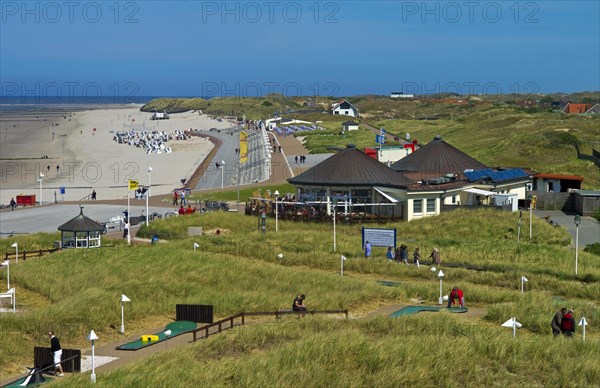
{"x": 479, "y": 192}
{"x": 387, "y": 196}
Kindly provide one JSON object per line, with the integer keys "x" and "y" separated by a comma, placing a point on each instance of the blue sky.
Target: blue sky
{"x": 214, "y": 48}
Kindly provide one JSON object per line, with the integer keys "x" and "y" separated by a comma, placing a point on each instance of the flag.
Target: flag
{"x": 133, "y": 184}
{"x": 523, "y": 278}
{"x": 343, "y": 257}
{"x": 243, "y": 147}
{"x": 124, "y": 298}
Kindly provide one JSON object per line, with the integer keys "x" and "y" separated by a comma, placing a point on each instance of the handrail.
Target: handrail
{"x": 231, "y": 319}
{"x": 40, "y": 371}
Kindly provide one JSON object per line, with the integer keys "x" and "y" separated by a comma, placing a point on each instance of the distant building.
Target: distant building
{"x": 349, "y": 126}
{"x": 572, "y": 108}
{"x": 594, "y": 110}
{"x": 345, "y": 108}
{"x": 401, "y": 95}
{"x": 556, "y": 182}
{"x": 159, "y": 116}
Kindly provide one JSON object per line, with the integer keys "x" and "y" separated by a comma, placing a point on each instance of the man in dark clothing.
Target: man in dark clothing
{"x": 556, "y": 322}
{"x": 56, "y": 353}
{"x": 298, "y": 304}
{"x": 13, "y": 204}
{"x": 567, "y": 325}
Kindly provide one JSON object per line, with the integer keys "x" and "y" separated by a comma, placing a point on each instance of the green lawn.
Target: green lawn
{"x": 75, "y": 291}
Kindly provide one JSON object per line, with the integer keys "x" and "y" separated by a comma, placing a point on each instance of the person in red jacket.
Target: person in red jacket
{"x": 456, "y": 294}
{"x": 181, "y": 210}
{"x": 567, "y": 324}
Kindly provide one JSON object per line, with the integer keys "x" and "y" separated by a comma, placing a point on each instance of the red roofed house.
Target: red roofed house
{"x": 576, "y": 108}
{"x": 557, "y": 183}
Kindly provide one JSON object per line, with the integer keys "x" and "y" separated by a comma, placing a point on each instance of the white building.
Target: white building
{"x": 345, "y": 108}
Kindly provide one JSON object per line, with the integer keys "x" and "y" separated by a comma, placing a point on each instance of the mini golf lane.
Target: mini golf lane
{"x": 408, "y": 310}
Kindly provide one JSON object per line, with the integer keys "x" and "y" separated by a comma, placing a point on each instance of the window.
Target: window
{"x": 346, "y": 113}
{"x": 417, "y": 206}
{"x": 94, "y": 240}
{"x": 431, "y": 205}
{"x": 453, "y": 200}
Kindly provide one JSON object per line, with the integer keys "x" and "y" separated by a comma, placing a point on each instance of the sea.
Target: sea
{"x": 27, "y": 104}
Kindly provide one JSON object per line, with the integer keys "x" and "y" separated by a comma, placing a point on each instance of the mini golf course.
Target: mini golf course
{"x": 177, "y": 328}
{"x": 409, "y": 310}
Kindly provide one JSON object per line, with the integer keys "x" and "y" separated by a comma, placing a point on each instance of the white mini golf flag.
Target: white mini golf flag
{"x": 511, "y": 323}
{"x": 343, "y": 257}
{"x": 523, "y": 279}
{"x": 196, "y": 246}
{"x": 124, "y": 298}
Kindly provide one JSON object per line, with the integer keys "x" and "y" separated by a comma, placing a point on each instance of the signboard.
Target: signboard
{"x": 378, "y": 237}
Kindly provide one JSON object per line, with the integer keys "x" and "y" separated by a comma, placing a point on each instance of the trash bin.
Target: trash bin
{"x": 155, "y": 239}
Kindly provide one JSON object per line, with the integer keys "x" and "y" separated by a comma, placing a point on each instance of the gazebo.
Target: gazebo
{"x": 81, "y": 232}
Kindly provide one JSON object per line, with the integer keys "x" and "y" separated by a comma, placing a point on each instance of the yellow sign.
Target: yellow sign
{"x": 133, "y": 184}
{"x": 533, "y": 201}
{"x": 243, "y": 147}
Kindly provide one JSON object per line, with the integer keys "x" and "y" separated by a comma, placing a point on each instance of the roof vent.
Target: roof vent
{"x": 437, "y": 137}
{"x": 350, "y": 146}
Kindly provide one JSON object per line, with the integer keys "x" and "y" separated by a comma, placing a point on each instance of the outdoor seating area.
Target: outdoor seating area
{"x": 287, "y": 130}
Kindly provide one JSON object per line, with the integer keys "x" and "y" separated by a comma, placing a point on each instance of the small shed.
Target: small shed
{"x": 81, "y": 232}
{"x": 349, "y": 126}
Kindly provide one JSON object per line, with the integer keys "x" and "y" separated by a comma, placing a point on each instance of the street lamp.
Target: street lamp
{"x": 577, "y": 221}
{"x": 148, "y": 192}
{"x": 123, "y": 300}
{"x": 441, "y": 276}
{"x": 222, "y": 173}
{"x": 16, "y": 246}
{"x": 93, "y": 337}
{"x": 276, "y": 210}
{"x": 6, "y": 263}
{"x": 40, "y": 180}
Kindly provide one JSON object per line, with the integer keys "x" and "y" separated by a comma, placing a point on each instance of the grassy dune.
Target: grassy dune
{"x": 75, "y": 291}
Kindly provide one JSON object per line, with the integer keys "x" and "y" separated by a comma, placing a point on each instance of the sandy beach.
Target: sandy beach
{"x": 82, "y": 159}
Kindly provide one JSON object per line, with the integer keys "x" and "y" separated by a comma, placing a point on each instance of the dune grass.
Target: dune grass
{"x": 74, "y": 291}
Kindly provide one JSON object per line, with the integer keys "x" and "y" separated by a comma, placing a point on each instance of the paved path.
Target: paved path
{"x": 589, "y": 229}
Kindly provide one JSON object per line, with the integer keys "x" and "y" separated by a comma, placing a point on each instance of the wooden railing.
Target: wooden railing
{"x": 23, "y": 255}
{"x": 229, "y": 322}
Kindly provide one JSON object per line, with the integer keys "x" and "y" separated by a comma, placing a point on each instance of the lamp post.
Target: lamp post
{"x": 93, "y": 337}
{"x": 222, "y": 173}
{"x": 16, "y": 246}
{"x": 441, "y": 276}
{"x": 6, "y": 263}
{"x": 334, "y": 233}
{"x": 123, "y": 300}
{"x": 577, "y": 221}
{"x": 40, "y": 180}
{"x": 148, "y": 192}
{"x": 276, "y": 210}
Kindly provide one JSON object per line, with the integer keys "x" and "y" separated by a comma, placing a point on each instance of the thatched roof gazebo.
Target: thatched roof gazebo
{"x": 81, "y": 232}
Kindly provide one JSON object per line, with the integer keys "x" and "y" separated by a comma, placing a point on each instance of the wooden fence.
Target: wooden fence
{"x": 43, "y": 359}
{"x": 24, "y": 254}
{"x": 229, "y": 322}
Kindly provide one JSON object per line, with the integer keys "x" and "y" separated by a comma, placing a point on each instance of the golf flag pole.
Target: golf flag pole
{"x": 513, "y": 324}
{"x": 123, "y": 300}
{"x": 523, "y": 280}
{"x": 196, "y": 246}
{"x": 583, "y": 323}
{"x": 342, "y": 259}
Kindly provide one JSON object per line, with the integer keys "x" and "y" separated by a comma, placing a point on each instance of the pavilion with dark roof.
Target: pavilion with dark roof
{"x": 81, "y": 232}
{"x": 353, "y": 177}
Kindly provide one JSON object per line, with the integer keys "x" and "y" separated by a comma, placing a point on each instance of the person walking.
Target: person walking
{"x": 435, "y": 257}
{"x": 417, "y": 257}
{"x": 404, "y": 254}
{"x": 567, "y": 324}
{"x": 126, "y": 229}
{"x": 56, "y": 353}
{"x": 556, "y": 322}
{"x": 390, "y": 254}
{"x": 13, "y": 204}
{"x": 175, "y": 198}
{"x": 93, "y": 195}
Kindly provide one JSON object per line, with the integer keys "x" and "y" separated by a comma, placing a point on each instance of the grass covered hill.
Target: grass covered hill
{"x": 75, "y": 290}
